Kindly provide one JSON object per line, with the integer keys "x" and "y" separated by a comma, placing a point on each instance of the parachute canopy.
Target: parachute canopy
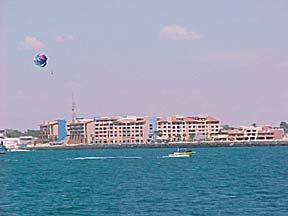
{"x": 40, "y": 60}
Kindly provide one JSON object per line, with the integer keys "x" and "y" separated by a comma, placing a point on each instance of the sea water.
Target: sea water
{"x": 214, "y": 181}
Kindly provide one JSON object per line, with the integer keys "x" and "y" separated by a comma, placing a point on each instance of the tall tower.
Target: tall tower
{"x": 74, "y": 106}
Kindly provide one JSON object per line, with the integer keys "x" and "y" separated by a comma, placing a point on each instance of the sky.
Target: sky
{"x": 225, "y": 59}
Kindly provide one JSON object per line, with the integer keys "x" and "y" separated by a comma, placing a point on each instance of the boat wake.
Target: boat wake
{"x": 19, "y": 150}
{"x": 184, "y": 156}
{"x": 103, "y": 158}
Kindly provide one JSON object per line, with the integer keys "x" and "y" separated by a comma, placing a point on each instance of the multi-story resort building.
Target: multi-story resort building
{"x": 80, "y": 130}
{"x": 251, "y": 133}
{"x": 143, "y": 129}
{"x": 178, "y": 128}
{"x": 102, "y": 130}
{"x": 130, "y": 129}
{"x": 52, "y": 131}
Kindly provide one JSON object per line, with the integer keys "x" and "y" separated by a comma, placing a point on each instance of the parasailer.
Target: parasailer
{"x": 40, "y": 60}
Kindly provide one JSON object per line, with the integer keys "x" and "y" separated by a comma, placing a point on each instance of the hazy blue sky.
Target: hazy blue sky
{"x": 226, "y": 59}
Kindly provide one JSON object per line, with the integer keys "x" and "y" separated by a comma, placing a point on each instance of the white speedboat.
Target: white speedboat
{"x": 179, "y": 153}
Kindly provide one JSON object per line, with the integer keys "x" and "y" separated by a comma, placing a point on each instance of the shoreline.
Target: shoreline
{"x": 161, "y": 145}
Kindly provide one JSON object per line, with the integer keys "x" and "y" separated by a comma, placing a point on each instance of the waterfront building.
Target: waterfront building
{"x": 80, "y": 130}
{"x": 179, "y": 128}
{"x": 26, "y": 140}
{"x": 128, "y": 129}
{"x": 251, "y": 133}
{"x": 11, "y": 143}
{"x": 16, "y": 143}
{"x": 143, "y": 129}
{"x": 52, "y": 131}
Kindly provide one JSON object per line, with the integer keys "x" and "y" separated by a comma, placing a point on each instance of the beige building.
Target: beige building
{"x": 80, "y": 131}
{"x": 178, "y": 128}
{"x": 52, "y": 131}
{"x": 250, "y": 133}
{"x": 48, "y": 131}
{"x": 130, "y": 129}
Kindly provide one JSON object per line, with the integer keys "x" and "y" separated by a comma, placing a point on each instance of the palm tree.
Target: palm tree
{"x": 191, "y": 137}
{"x": 157, "y": 134}
{"x": 178, "y": 137}
{"x": 169, "y": 137}
{"x": 184, "y": 137}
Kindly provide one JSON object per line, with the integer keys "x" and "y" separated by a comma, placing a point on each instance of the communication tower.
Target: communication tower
{"x": 74, "y": 106}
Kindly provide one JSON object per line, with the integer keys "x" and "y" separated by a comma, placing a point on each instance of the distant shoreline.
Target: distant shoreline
{"x": 162, "y": 145}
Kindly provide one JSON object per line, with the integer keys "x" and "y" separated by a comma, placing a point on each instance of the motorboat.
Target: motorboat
{"x": 3, "y": 149}
{"x": 181, "y": 153}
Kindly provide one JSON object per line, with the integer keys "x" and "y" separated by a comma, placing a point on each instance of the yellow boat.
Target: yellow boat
{"x": 179, "y": 153}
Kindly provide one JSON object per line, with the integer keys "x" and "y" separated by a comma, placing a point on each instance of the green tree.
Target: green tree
{"x": 284, "y": 125}
{"x": 169, "y": 138}
{"x": 226, "y": 127}
{"x": 11, "y": 133}
{"x": 33, "y": 133}
{"x": 178, "y": 137}
{"x": 191, "y": 137}
{"x": 157, "y": 134}
{"x": 184, "y": 137}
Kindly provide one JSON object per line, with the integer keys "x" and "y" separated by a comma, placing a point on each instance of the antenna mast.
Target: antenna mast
{"x": 74, "y": 106}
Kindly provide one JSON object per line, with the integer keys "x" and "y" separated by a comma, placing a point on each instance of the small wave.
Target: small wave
{"x": 103, "y": 158}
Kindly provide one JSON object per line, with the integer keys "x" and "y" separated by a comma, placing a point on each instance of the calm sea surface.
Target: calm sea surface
{"x": 214, "y": 181}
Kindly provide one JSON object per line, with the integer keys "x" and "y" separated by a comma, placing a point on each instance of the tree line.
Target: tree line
{"x": 12, "y": 133}
{"x": 284, "y": 125}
